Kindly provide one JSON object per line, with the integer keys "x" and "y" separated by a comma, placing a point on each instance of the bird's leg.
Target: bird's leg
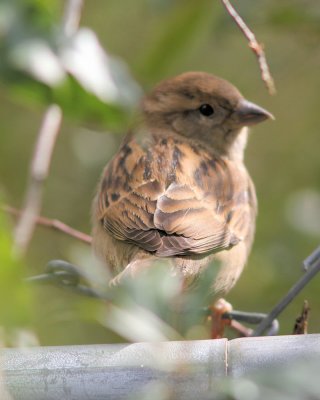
{"x": 131, "y": 270}
{"x": 117, "y": 279}
{"x": 218, "y": 323}
{"x": 222, "y": 315}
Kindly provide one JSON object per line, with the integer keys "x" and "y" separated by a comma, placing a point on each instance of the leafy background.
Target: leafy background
{"x": 154, "y": 39}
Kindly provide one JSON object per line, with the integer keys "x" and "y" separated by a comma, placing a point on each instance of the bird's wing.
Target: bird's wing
{"x": 137, "y": 204}
{"x": 191, "y": 223}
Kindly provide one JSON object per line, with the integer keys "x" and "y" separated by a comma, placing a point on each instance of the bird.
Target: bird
{"x": 178, "y": 189}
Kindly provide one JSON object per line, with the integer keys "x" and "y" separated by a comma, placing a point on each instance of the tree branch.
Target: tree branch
{"x": 38, "y": 173}
{"x": 254, "y": 45}
{"x": 52, "y": 223}
{"x": 72, "y": 17}
{"x": 43, "y": 150}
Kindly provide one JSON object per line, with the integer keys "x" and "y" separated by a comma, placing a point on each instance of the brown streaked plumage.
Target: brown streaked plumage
{"x": 184, "y": 193}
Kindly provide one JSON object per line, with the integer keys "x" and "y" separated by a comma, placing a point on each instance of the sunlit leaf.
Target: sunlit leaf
{"x": 84, "y": 58}
{"x": 35, "y": 57}
{"x": 75, "y": 72}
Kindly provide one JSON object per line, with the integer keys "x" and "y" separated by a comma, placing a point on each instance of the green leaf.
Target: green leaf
{"x": 15, "y": 296}
{"x": 38, "y": 61}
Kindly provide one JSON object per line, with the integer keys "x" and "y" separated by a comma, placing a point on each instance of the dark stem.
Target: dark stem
{"x": 293, "y": 292}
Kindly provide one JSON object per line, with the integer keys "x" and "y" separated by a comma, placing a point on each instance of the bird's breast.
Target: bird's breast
{"x": 190, "y": 164}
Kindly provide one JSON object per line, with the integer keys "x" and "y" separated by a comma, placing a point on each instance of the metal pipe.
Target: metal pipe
{"x": 188, "y": 369}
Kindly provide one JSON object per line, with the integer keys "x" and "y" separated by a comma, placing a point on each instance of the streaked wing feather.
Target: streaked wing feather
{"x": 136, "y": 205}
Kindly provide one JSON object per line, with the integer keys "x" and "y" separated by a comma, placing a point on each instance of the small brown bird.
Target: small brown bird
{"x": 182, "y": 192}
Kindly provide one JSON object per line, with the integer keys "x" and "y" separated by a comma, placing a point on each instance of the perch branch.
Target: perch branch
{"x": 38, "y": 173}
{"x": 52, "y": 223}
{"x": 254, "y": 45}
{"x": 43, "y": 150}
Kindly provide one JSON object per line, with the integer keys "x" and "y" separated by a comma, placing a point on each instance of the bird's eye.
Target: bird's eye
{"x": 206, "y": 110}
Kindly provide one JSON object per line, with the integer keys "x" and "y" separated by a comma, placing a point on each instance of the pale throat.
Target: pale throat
{"x": 238, "y": 145}
{"x": 229, "y": 144}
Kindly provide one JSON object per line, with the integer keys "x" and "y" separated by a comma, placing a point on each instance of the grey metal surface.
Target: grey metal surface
{"x": 112, "y": 371}
{"x": 251, "y": 354}
{"x": 98, "y": 372}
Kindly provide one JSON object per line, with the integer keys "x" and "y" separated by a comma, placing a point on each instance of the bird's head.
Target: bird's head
{"x": 202, "y": 107}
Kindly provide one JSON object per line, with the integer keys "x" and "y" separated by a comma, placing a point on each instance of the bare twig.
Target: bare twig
{"x": 301, "y": 324}
{"x": 43, "y": 150}
{"x": 254, "y": 45}
{"x": 39, "y": 171}
{"x": 72, "y": 16}
{"x": 52, "y": 223}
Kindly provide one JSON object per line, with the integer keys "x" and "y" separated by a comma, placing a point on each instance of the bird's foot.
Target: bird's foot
{"x": 218, "y": 323}
{"x": 222, "y": 315}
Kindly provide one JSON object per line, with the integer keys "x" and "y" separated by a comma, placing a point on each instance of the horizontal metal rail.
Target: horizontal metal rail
{"x": 117, "y": 371}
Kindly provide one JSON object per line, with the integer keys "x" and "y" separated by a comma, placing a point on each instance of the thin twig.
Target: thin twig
{"x": 39, "y": 171}
{"x": 72, "y": 15}
{"x": 52, "y": 223}
{"x": 43, "y": 150}
{"x": 254, "y": 45}
{"x": 301, "y": 324}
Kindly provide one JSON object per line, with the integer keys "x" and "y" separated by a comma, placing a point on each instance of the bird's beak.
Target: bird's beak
{"x": 247, "y": 113}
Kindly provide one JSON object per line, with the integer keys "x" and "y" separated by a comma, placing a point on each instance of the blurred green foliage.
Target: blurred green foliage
{"x": 43, "y": 62}
{"x": 291, "y": 381}
{"x": 155, "y": 39}
{"x": 16, "y": 305}
{"x": 296, "y": 382}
